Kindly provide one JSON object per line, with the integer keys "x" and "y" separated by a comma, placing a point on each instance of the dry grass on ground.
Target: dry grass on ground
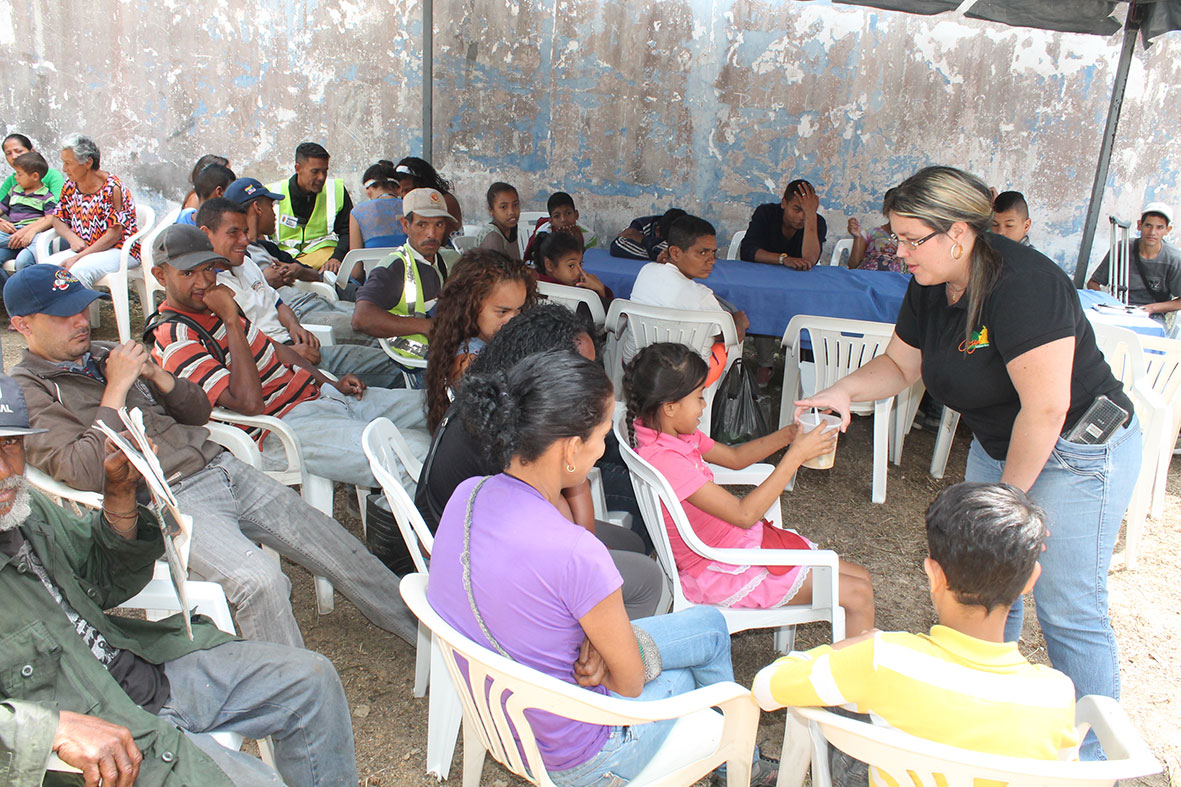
{"x": 831, "y": 507}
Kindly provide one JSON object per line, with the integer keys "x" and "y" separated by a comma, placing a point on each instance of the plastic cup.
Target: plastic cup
{"x": 809, "y": 421}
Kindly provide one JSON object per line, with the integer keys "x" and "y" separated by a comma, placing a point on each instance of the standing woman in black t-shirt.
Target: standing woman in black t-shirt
{"x": 996, "y": 332}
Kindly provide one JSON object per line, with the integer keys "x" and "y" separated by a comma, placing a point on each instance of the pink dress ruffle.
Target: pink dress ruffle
{"x": 755, "y": 587}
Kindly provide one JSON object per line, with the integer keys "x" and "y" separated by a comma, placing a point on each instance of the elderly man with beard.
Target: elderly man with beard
{"x": 127, "y": 700}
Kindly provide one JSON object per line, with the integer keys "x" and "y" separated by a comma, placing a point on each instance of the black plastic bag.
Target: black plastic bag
{"x": 737, "y": 415}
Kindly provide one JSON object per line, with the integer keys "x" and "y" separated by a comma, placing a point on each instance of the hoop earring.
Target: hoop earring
{"x": 957, "y": 252}
{"x": 570, "y": 468}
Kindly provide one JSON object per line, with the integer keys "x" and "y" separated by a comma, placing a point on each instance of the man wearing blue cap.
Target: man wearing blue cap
{"x": 114, "y": 696}
{"x": 71, "y": 383}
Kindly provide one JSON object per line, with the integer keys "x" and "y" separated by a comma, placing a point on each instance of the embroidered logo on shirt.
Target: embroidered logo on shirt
{"x": 979, "y": 339}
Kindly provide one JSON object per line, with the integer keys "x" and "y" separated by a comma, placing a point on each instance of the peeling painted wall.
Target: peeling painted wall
{"x": 632, "y": 107}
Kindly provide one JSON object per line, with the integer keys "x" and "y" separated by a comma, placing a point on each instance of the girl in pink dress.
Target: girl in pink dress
{"x": 664, "y": 385}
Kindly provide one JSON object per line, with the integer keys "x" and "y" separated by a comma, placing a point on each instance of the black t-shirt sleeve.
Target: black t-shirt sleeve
{"x": 383, "y": 287}
{"x": 761, "y": 223}
{"x": 1030, "y": 311}
{"x": 1100, "y": 274}
{"x": 821, "y": 230}
{"x": 455, "y": 458}
{"x": 909, "y": 325}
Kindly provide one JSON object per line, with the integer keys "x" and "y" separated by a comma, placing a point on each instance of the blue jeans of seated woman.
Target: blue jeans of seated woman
{"x": 695, "y": 651}
{"x": 1085, "y": 490}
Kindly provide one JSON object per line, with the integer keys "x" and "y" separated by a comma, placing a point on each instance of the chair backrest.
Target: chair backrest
{"x": 383, "y": 446}
{"x": 1122, "y": 350}
{"x": 1162, "y": 361}
{"x": 840, "y": 252}
{"x": 464, "y": 243}
{"x": 1119, "y": 258}
{"x": 735, "y": 245}
{"x": 525, "y": 226}
{"x": 571, "y": 297}
{"x": 839, "y": 346}
{"x": 647, "y": 325}
{"x": 906, "y": 759}
{"x": 654, "y": 496}
{"x": 147, "y": 260}
{"x": 367, "y": 257}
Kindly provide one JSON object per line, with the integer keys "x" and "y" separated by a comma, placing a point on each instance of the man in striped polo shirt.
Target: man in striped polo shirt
{"x": 961, "y": 684}
{"x": 199, "y": 335}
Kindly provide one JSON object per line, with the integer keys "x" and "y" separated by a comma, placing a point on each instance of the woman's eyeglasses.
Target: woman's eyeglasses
{"x": 914, "y": 244}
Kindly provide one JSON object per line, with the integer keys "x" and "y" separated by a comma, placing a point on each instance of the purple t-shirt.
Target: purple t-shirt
{"x": 534, "y": 574}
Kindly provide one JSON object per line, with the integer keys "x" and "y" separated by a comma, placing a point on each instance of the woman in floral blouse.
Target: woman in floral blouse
{"x": 96, "y": 214}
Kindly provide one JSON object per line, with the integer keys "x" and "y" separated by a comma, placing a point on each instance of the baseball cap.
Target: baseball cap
{"x": 14, "y": 413}
{"x": 244, "y": 190}
{"x": 1158, "y": 207}
{"x": 48, "y": 289}
{"x": 184, "y": 247}
{"x": 425, "y": 202}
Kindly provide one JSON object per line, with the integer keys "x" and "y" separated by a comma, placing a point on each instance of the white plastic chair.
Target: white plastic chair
{"x": 647, "y": 325}
{"x": 900, "y": 758}
{"x": 735, "y": 245}
{"x": 839, "y": 347}
{"x": 840, "y": 252}
{"x": 654, "y": 496}
{"x": 323, "y": 289}
{"x": 525, "y": 226}
{"x": 316, "y": 490}
{"x": 571, "y": 297}
{"x": 367, "y": 257}
{"x": 949, "y": 421}
{"x": 464, "y": 243}
{"x": 1124, "y": 352}
{"x": 1162, "y": 361}
{"x": 701, "y": 740}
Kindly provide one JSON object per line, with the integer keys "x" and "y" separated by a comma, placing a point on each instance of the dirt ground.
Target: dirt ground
{"x": 831, "y": 507}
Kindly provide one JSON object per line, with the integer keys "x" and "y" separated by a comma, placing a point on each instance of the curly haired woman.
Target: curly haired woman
{"x": 484, "y": 291}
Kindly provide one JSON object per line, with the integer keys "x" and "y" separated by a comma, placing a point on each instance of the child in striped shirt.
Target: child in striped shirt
{"x": 28, "y": 202}
{"x": 961, "y": 684}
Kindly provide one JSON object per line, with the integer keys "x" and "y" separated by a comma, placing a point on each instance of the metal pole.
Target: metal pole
{"x": 1131, "y": 29}
{"x": 428, "y": 58}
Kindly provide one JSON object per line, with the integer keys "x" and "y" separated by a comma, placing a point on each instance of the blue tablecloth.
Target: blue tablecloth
{"x": 771, "y": 294}
{"x": 1136, "y": 321}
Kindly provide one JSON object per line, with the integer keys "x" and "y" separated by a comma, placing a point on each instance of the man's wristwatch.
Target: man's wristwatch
{"x": 783, "y": 258}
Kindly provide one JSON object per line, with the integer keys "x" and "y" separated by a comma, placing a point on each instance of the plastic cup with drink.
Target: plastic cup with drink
{"x": 809, "y": 421}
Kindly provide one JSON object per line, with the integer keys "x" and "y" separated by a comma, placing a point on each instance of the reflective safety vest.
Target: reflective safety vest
{"x": 297, "y": 237}
{"x": 412, "y": 302}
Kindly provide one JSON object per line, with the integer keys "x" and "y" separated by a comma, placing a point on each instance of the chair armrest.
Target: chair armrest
{"x": 321, "y": 332}
{"x": 54, "y": 488}
{"x": 412, "y": 363}
{"x": 752, "y": 475}
{"x": 1114, "y": 730}
{"x": 291, "y": 448}
{"x": 815, "y": 558}
{"x": 323, "y": 289}
{"x": 41, "y": 244}
{"x": 236, "y": 442}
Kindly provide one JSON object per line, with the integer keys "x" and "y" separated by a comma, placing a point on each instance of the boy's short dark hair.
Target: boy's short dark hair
{"x": 1011, "y": 200}
{"x": 986, "y": 538}
{"x": 497, "y": 188}
{"x": 557, "y": 200}
{"x": 307, "y": 150}
{"x": 211, "y": 212}
{"x": 212, "y": 178}
{"x": 794, "y": 186}
{"x": 555, "y": 245}
{"x": 687, "y": 229}
{"x": 666, "y": 221}
{"x": 32, "y": 162}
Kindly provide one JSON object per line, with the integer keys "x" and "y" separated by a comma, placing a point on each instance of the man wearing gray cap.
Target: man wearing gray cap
{"x": 396, "y": 296}
{"x": 1154, "y": 274}
{"x": 71, "y": 383}
{"x": 117, "y": 697}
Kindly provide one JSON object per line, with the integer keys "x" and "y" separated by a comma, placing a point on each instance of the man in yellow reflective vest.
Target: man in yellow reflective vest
{"x": 313, "y": 224}
{"x": 393, "y": 303}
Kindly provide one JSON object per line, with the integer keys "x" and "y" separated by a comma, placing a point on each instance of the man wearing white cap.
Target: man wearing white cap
{"x": 394, "y": 301}
{"x": 1154, "y": 275}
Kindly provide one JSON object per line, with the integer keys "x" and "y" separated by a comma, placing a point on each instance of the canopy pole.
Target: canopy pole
{"x": 1131, "y": 29}
{"x": 428, "y": 58}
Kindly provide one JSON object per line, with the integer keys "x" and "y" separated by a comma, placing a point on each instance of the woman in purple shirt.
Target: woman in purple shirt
{"x": 543, "y": 590}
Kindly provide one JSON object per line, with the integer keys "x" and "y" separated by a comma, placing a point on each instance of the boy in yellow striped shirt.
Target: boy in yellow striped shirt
{"x": 961, "y": 684}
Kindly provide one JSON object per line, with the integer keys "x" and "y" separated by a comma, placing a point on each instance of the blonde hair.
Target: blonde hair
{"x": 941, "y": 196}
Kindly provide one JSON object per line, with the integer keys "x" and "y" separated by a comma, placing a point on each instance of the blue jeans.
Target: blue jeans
{"x": 371, "y": 364}
{"x": 329, "y": 431}
{"x": 1085, "y": 490}
{"x": 235, "y": 508}
{"x": 258, "y": 689}
{"x": 695, "y": 650}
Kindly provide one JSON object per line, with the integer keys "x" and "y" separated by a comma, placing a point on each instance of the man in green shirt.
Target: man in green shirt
{"x": 118, "y": 697}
